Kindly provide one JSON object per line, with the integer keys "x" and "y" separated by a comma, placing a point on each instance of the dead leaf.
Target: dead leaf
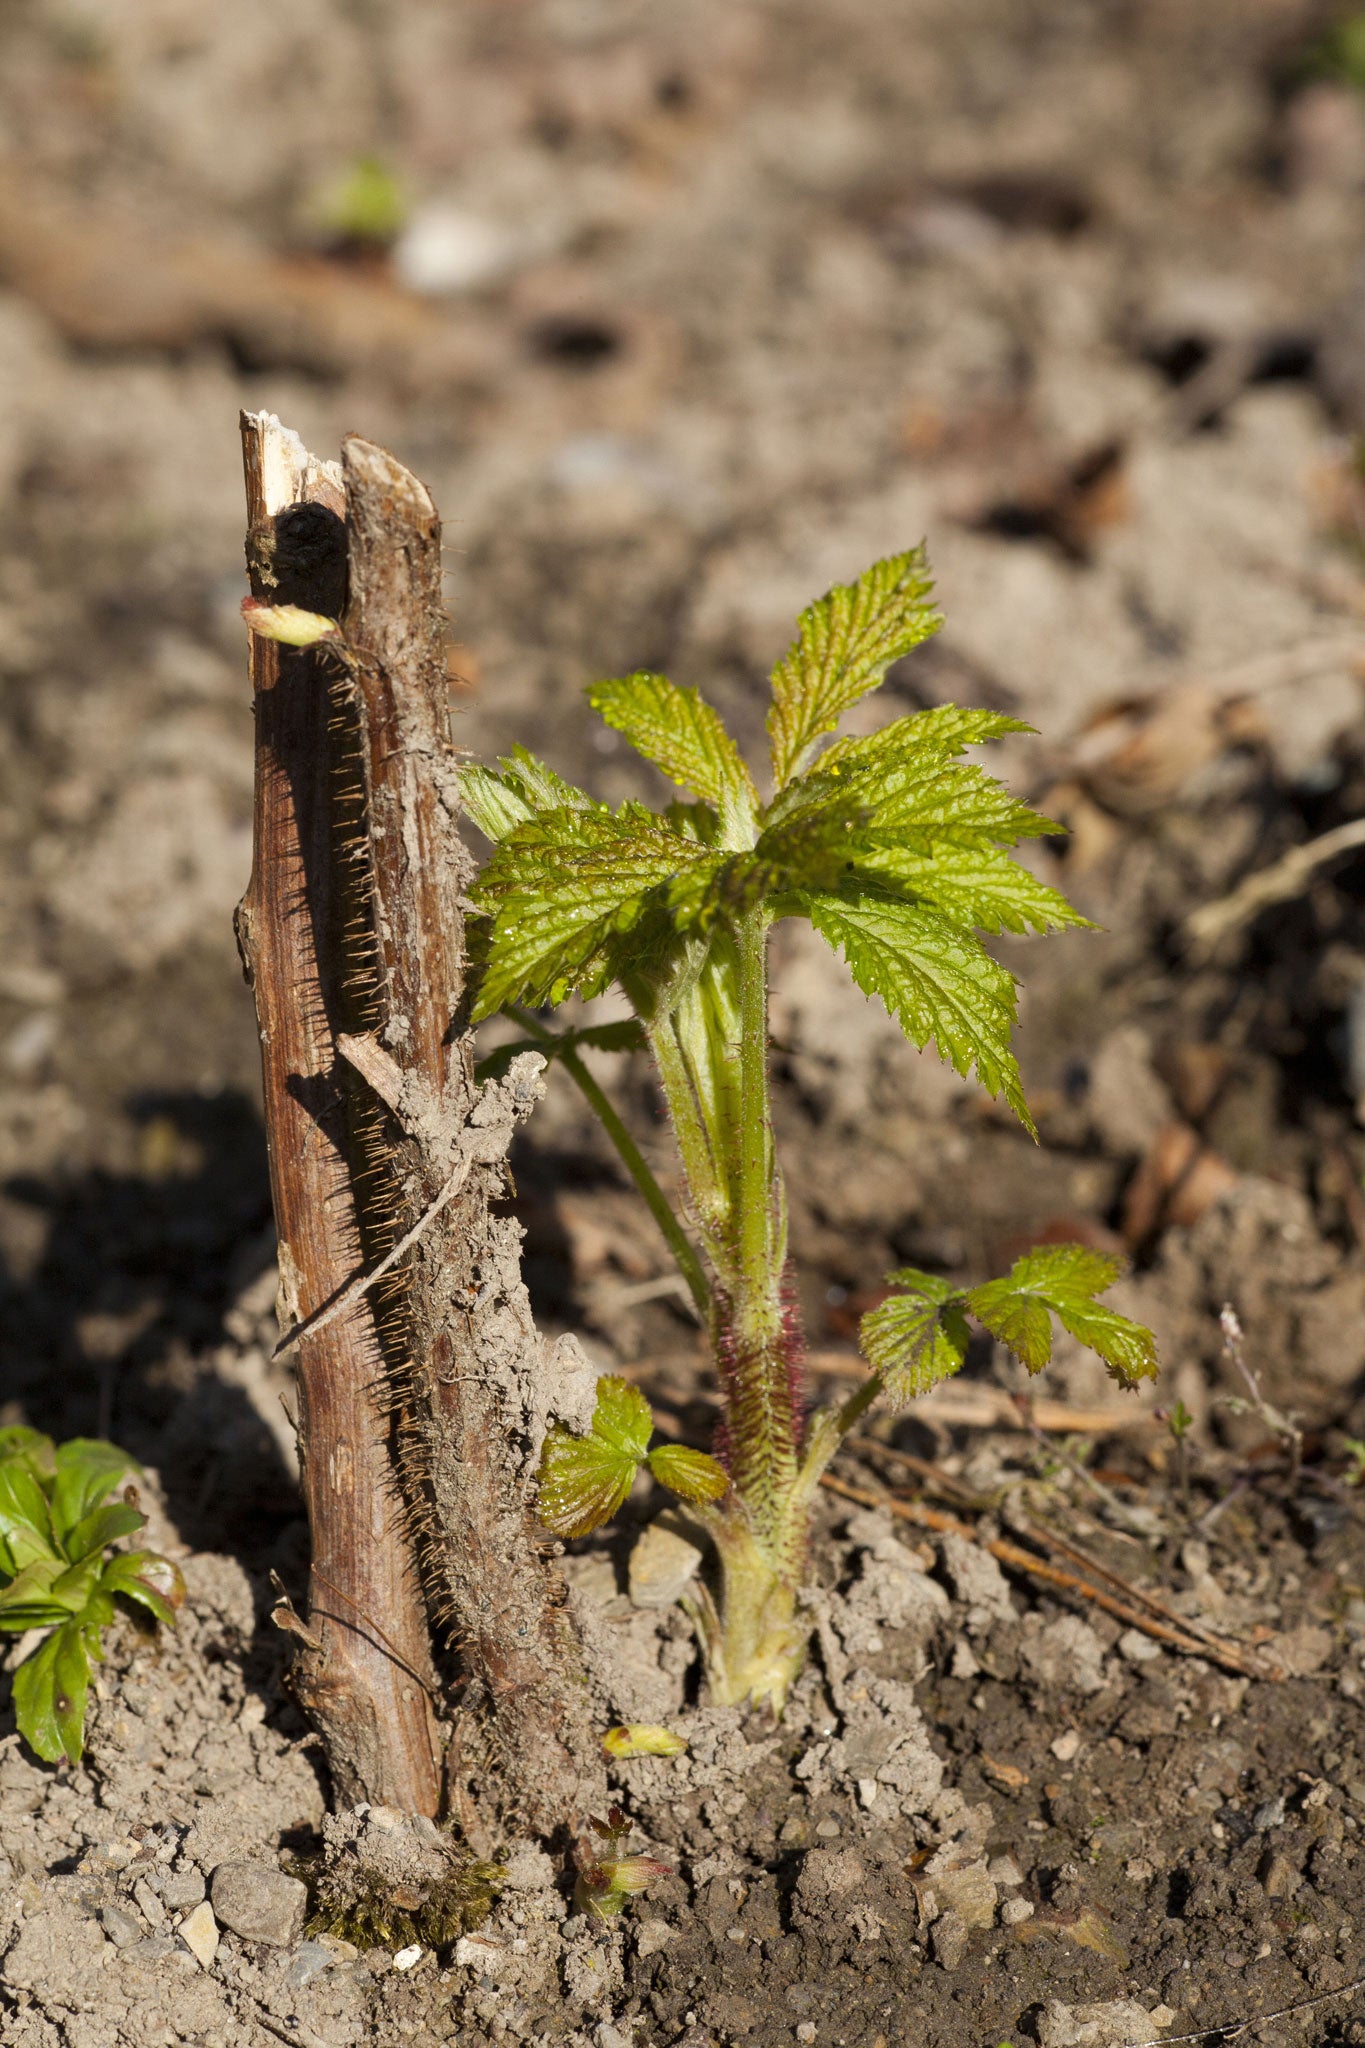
{"x": 1176, "y": 1183}
{"x": 1087, "y": 1928}
{"x": 1006, "y": 1778}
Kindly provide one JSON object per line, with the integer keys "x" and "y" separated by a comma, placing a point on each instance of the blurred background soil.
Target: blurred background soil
{"x": 684, "y": 312}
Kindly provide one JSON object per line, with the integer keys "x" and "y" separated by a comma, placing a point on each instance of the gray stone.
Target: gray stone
{"x": 154, "y": 1949}
{"x": 662, "y": 1565}
{"x": 122, "y": 1927}
{"x": 309, "y": 1960}
{"x": 258, "y": 1903}
{"x": 1095, "y": 2026}
{"x": 181, "y": 1890}
{"x": 948, "y": 1940}
{"x": 150, "y": 1906}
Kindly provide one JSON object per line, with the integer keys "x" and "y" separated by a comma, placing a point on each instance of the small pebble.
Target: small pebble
{"x": 806, "y": 2031}
{"x": 1014, "y": 1911}
{"x": 199, "y": 1932}
{"x": 406, "y": 1957}
{"x": 948, "y": 1940}
{"x": 867, "y": 1791}
{"x": 150, "y": 1906}
{"x": 259, "y": 1903}
{"x": 827, "y": 1830}
{"x": 181, "y": 1890}
{"x": 309, "y": 1960}
{"x": 154, "y": 1949}
{"x": 120, "y": 1926}
{"x": 1068, "y": 1744}
{"x": 1137, "y": 1648}
{"x": 1269, "y": 1816}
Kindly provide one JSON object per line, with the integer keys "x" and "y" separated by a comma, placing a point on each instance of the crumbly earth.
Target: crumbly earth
{"x": 696, "y": 309}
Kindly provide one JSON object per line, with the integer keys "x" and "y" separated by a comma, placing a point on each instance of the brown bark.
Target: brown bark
{"x": 479, "y": 1376}
{"x": 368, "y": 1683}
{"x": 382, "y": 1143}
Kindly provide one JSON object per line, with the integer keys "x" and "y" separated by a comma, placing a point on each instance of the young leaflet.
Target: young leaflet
{"x": 898, "y": 852}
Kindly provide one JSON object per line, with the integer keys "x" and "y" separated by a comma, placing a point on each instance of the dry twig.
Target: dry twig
{"x": 1230, "y": 2029}
{"x": 1214, "y": 1649}
{"x": 968, "y": 1404}
{"x": 1283, "y": 880}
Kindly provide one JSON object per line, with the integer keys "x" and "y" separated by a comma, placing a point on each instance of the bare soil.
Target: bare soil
{"x": 764, "y": 292}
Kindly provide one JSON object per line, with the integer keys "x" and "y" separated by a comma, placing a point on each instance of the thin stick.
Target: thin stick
{"x": 1217, "y": 1651}
{"x": 1283, "y": 880}
{"x": 1230, "y": 2029}
{"x": 632, "y": 1158}
{"x": 971, "y": 1405}
{"x": 1059, "y": 1545}
{"x": 1278, "y": 1423}
{"x": 363, "y": 1282}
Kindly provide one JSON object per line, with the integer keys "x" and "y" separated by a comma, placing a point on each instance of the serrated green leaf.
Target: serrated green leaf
{"x": 845, "y": 644}
{"x": 584, "y": 1479}
{"x": 1062, "y": 1280}
{"x": 541, "y": 788}
{"x": 980, "y": 886}
{"x": 88, "y": 1470}
{"x": 955, "y": 803}
{"x": 491, "y": 802}
{"x": 522, "y": 787}
{"x": 622, "y": 1418}
{"x": 692, "y": 1474}
{"x": 103, "y": 1527}
{"x": 693, "y": 821}
{"x": 153, "y": 1581}
{"x": 940, "y": 733}
{"x": 916, "y": 1338}
{"x": 935, "y": 978}
{"x": 563, "y": 888}
{"x": 582, "y": 1482}
{"x": 50, "y": 1689}
{"x": 675, "y": 728}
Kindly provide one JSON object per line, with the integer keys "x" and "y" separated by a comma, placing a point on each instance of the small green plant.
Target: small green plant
{"x": 607, "y": 1877}
{"x": 897, "y": 851}
{"x": 61, "y": 1573}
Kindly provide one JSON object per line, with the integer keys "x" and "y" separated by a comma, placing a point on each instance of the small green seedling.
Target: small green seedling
{"x": 898, "y": 852}
{"x": 1180, "y": 1422}
{"x": 61, "y": 1573}
{"x": 607, "y": 1877}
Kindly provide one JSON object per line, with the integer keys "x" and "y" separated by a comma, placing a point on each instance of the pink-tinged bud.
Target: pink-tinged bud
{"x": 164, "y": 1578}
{"x": 289, "y": 624}
{"x": 641, "y": 1738}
